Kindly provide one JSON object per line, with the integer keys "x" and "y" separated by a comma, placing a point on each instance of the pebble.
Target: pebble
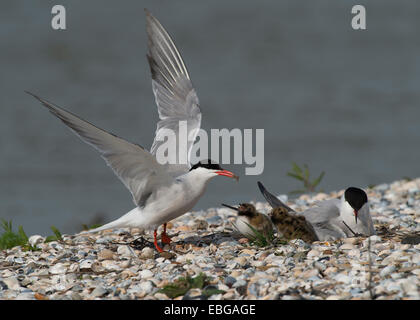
{"x": 387, "y": 270}
{"x": 144, "y": 274}
{"x": 35, "y": 240}
{"x": 98, "y": 267}
{"x": 147, "y": 253}
{"x": 99, "y": 291}
{"x": 58, "y": 268}
{"x": 126, "y": 251}
{"x": 105, "y": 254}
{"x": 12, "y": 283}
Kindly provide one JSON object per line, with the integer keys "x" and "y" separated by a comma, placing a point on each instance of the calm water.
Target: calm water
{"x": 343, "y": 101}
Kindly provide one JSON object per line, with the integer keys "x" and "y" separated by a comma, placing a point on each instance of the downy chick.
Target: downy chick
{"x": 292, "y": 226}
{"x": 249, "y": 216}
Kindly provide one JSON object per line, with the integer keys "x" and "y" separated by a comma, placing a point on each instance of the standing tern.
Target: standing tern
{"x": 334, "y": 218}
{"x": 160, "y": 192}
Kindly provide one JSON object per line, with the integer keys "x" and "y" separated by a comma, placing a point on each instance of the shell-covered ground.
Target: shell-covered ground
{"x": 209, "y": 260}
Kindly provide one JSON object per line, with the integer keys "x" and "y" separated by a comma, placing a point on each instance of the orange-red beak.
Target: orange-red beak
{"x": 355, "y": 215}
{"x": 227, "y": 174}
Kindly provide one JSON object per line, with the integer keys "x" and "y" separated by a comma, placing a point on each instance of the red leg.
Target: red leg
{"x": 155, "y": 241}
{"x": 164, "y": 237}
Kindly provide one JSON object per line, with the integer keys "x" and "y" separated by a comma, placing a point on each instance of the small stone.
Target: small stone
{"x": 39, "y": 296}
{"x": 167, "y": 255}
{"x": 144, "y": 274}
{"x": 126, "y": 251}
{"x": 12, "y": 283}
{"x": 161, "y": 296}
{"x": 104, "y": 240}
{"x": 85, "y": 264}
{"x": 347, "y": 246}
{"x": 387, "y": 270}
{"x": 110, "y": 265}
{"x": 310, "y": 273}
{"x": 35, "y": 240}
{"x": 243, "y": 240}
{"x": 146, "y": 286}
{"x": 105, "y": 254}
{"x": 229, "y": 281}
{"x": 59, "y": 268}
{"x": 200, "y": 224}
{"x": 239, "y": 283}
{"x": 373, "y": 239}
{"x": 320, "y": 266}
{"x": 313, "y": 253}
{"x": 241, "y": 261}
{"x": 342, "y": 278}
{"x": 99, "y": 292}
{"x": 147, "y": 253}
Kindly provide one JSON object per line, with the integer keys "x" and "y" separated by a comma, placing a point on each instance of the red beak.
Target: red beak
{"x": 355, "y": 215}
{"x": 227, "y": 174}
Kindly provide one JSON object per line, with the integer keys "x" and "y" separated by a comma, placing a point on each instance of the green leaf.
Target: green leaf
{"x": 306, "y": 172}
{"x": 57, "y": 233}
{"x": 22, "y": 234}
{"x": 211, "y": 291}
{"x": 181, "y": 286}
{"x": 9, "y": 239}
{"x": 7, "y": 226}
{"x": 259, "y": 239}
{"x": 297, "y": 169}
{"x": 318, "y": 180}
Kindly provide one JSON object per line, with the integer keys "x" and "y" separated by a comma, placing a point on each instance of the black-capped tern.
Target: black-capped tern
{"x": 161, "y": 192}
{"x": 334, "y": 218}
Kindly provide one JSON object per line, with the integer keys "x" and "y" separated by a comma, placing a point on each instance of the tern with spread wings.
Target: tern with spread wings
{"x": 161, "y": 192}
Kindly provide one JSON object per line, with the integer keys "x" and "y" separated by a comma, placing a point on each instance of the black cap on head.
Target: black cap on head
{"x": 355, "y": 197}
{"x": 208, "y": 164}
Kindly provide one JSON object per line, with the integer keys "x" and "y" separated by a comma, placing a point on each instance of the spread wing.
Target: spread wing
{"x": 272, "y": 199}
{"x": 176, "y": 99}
{"x": 135, "y": 166}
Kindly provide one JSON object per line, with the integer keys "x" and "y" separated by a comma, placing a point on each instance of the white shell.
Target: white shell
{"x": 35, "y": 239}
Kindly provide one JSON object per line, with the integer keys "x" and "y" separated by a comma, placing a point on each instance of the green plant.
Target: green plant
{"x": 260, "y": 239}
{"x": 181, "y": 286}
{"x": 56, "y": 237}
{"x": 10, "y": 239}
{"x": 302, "y": 174}
{"x": 86, "y": 227}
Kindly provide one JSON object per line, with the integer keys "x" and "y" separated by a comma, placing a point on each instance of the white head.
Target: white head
{"x": 354, "y": 201}
{"x": 208, "y": 169}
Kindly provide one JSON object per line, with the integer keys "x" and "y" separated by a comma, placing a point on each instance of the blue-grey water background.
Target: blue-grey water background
{"x": 343, "y": 101}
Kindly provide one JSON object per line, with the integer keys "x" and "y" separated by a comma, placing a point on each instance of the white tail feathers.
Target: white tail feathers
{"x": 126, "y": 221}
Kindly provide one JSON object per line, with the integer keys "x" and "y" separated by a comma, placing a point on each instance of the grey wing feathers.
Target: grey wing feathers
{"x": 135, "y": 166}
{"x": 174, "y": 93}
{"x": 323, "y": 211}
{"x": 272, "y": 199}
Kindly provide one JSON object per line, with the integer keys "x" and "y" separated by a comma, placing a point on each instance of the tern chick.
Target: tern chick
{"x": 249, "y": 216}
{"x": 292, "y": 226}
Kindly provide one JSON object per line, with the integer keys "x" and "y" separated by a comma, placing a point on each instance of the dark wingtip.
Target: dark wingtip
{"x": 230, "y": 207}
{"x": 31, "y": 94}
{"x": 37, "y": 97}
{"x": 261, "y": 186}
